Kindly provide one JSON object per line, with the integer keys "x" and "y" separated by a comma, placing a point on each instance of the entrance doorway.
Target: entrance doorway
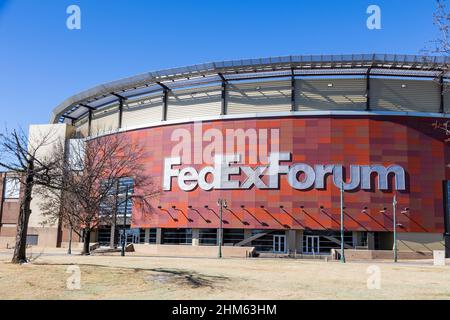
{"x": 279, "y": 243}
{"x": 132, "y": 236}
{"x": 312, "y": 244}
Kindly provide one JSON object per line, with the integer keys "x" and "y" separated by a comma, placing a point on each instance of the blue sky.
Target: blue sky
{"x": 42, "y": 62}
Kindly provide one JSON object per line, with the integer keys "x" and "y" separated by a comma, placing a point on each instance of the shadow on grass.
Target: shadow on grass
{"x": 177, "y": 276}
{"x": 194, "y": 279}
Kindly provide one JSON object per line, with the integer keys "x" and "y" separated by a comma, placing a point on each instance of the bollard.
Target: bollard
{"x": 439, "y": 258}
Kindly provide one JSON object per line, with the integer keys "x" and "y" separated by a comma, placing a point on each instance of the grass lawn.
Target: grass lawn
{"x": 132, "y": 277}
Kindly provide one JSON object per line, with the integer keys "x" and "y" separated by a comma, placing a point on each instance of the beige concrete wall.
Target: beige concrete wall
{"x": 57, "y": 133}
{"x": 47, "y": 236}
{"x": 299, "y": 240}
{"x": 192, "y": 251}
{"x": 353, "y": 255}
{"x": 420, "y": 242}
{"x": 8, "y": 235}
{"x": 7, "y": 242}
{"x": 410, "y": 246}
{"x": 291, "y": 241}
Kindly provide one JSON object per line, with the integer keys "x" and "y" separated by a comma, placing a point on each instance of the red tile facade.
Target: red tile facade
{"x": 406, "y": 141}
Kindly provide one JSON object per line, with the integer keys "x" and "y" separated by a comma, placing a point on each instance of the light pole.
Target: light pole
{"x": 394, "y": 207}
{"x": 222, "y": 203}
{"x": 124, "y": 236}
{"x": 342, "y": 222}
{"x": 69, "y": 250}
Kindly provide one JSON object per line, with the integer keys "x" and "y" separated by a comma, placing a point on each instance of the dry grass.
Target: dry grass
{"x": 113, "y": 277}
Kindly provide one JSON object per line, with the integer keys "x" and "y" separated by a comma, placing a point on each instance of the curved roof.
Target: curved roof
{"x": 288, "y": 66}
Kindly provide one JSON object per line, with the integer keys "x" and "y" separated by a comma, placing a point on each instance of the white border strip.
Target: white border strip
{"x": 278, "y": 115}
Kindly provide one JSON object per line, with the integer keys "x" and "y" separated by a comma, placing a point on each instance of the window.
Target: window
{"x": 232, "y": 236}
{"x": 324, "y": 241}
{"x": 32, "y": 239}
{"x": 12, "y": 188}
{"x": 133, "y": 235}
{"x": 76, "y": 153}
{"x": 152, "y": 237}
{"x": 104, "y": 235}
{"x": 177, "y": 236}
{"x": 208, "y": 237}
{"x": 125, "y": 191}
{"x": 265, "y": 243}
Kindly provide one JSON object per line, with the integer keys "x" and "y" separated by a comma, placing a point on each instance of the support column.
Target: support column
{"x": 217, "y": 237}
{"x": 224, "y": 95}
{"x": 447, "y": 245}
{"x": 368, "y": 89}
{"x": 120, "y": 113}
{"x": 293, "y": 95}
{"x": 89, "y": 123}
{"x": 2, "y": 198}
{"x": 291, "y": 241}
{"x": 147, "y": 236}
{"x": 165, "y": 104}
{"x": 299, "y": 240}
{"x": 158, "y": 236}
{"x": 356, "y": 237}
{"x": 370, "y": 240}
{"x": 196, "y": 237}
{"x": 442, "y": 87}
{"x": 224, "y": 98}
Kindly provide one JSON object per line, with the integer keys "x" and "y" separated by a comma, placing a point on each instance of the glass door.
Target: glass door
{"x": 131, "y": 236}
{"x": 279, "y": 244}
{"x": 312, "y": 244}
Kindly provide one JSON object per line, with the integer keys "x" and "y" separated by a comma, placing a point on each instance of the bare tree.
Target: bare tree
{"x": 444, "y": 127}
{"x": 441, "y": 46}
{"x": 87, "y": 195}
{"x": 441, "y": 21}
{"x": 22, "y": 155}
{"x": 60, "y": 208}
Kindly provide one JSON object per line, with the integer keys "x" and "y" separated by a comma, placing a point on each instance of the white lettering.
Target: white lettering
{"x": 226, "y": 172}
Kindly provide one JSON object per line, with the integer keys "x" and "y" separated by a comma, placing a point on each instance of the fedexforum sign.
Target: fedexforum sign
{"x": 300, "y": 176}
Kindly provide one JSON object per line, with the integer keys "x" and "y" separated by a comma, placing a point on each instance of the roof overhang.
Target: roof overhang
{"x": 357, "y": 64}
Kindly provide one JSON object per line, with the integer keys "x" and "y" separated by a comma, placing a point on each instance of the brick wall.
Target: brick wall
{"x": 9, "y": 212}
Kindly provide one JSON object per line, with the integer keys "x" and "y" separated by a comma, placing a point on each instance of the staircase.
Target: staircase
{"x": 248, "y": 240}
{"x": 337, "y": 241}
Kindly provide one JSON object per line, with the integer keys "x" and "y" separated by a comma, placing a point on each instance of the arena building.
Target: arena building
{"x": 315, "y": 121}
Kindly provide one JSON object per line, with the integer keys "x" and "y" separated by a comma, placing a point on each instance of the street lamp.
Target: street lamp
{"x": 222, "y": 203}
{"x": 342, "y": 222}
{"x": 124, "y": 237}
{"x": 394, "y": 207}
{"x": 69, "y": 250}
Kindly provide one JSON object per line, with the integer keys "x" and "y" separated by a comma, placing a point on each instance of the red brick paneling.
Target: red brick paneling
{"x": 409, "y": 142}
{"x": 9, "y": 212}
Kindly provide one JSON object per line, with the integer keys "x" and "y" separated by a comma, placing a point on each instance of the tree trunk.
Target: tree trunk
{"x": 113, "y": 234}
{"x": 112, "y": 242}
{"x": 86, "y": 242}
{"x": 69, "y": 250}
{"x": 20, "y": 255}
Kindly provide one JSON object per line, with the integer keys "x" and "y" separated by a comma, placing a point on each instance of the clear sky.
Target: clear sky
{"x": 42, "y": 62}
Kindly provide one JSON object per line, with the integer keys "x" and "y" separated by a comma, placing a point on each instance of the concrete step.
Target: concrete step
{"x": 250, "y": 239}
